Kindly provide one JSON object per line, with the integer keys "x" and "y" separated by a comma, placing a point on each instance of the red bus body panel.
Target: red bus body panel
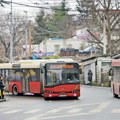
{"x": 69, "y": 90}
{"x": 18, "y": 84}
{"x": 34, "y": 87}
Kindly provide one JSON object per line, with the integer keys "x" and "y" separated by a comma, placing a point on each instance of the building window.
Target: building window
{"x": 57, "y": 48}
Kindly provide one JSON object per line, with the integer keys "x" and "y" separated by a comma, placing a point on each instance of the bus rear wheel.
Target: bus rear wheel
{"x": 15, "y": 90}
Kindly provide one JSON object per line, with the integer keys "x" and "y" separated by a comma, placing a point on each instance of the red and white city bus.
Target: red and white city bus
{"x": 115, "y": 77}
{"x": 52, "y": 77}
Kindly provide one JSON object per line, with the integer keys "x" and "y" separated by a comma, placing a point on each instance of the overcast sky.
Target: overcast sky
{"x": 40, "y": 3}
{"x": 31, "y": 11}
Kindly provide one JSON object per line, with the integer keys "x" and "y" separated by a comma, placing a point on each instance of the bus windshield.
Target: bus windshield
{"x": 62, "y": 74}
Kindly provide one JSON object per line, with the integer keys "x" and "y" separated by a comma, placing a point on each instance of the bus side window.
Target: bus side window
{"x": 11, "y": 75}
{"x": 111, "y": 72}
{"x": 33, "y": 75}
{"x": 18, "y": 76}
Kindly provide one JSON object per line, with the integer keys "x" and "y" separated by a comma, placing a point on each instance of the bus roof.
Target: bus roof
{"x": 19, "y": 65}
{"x": 32, "y": 63}
{"x": 115, "y": 62}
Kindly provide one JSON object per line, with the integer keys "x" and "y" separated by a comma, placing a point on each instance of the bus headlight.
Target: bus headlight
{"x": 75, "y": 95}
{"x": 50, "y": 95}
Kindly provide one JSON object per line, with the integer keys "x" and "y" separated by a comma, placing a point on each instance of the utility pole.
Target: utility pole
{"x": 11, "y": 37}
{"x": 30, "y": 37}
{"x": 45, "y": 46}
{"x": 26, "y": 36}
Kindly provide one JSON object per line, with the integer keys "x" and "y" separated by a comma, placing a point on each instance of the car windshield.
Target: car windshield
{"x": 56, "y": 77}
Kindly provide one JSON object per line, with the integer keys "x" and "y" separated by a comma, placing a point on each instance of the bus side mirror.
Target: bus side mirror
{"x": 80, "y": 71}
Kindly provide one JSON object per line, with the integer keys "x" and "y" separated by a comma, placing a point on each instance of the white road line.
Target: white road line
{"x": 54, "y": 110}
{"x": 95, "y": 110}
{"x": 74, "y": 110}
{"x": 99, "y": 108}
{"x": 59, "y": 116}
{"x": 63, "y": 116}
{"x": 12, "y": 111}
{"x": 103, "y": 105}
{"x": 35, "y": 117}
{"x": 33, "y": 111}
{"x": 72, "y": 106}
{"x": 43, "y": 114}
{"x": 115, "y": 111}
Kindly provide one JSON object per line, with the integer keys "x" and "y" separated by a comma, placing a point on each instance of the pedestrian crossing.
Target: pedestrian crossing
{"x": 96, "y": 110}
{"x": 60, "y": 112}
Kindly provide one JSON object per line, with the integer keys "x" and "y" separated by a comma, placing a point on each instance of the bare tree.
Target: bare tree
{"x": 18, "y": 34}
{"x": 102, "y": 16}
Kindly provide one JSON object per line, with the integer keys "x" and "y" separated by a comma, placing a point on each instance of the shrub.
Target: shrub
{"x": 106, "y": 84}
{"x": 96, "y": 83}
{"x": 52, "y": 57}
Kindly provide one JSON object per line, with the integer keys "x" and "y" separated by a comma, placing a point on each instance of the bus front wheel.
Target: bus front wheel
{"x": 15, "y": 90}
{"x": 46, "y": 98}
{"x": 115, "y": 95}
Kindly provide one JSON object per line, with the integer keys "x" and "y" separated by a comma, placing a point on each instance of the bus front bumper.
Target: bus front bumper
{"x": 51, "y": 95}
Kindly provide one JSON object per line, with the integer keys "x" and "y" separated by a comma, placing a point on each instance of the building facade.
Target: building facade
{"x": 54, "y": 45}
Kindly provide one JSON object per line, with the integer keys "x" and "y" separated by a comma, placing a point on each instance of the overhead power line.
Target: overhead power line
{"x": 34, "y": 6}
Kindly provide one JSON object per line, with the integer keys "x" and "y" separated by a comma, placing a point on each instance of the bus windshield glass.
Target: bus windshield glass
{"x": 59, "y": 73}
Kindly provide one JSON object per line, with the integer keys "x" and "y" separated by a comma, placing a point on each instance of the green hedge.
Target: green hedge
{"x": 52, "y": 57}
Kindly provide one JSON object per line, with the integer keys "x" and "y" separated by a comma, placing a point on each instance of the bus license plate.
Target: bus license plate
{"x": 62, "y": 95}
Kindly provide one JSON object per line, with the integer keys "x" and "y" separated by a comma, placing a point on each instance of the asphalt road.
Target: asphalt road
{"x": 95, "y": 103}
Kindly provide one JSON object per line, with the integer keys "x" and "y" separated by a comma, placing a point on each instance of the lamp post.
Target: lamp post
{"x": 11, "y": 37}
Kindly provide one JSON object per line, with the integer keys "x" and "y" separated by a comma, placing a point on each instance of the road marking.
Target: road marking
{"x": 54, "y": 110}
{"x": 100, "y": 107}
{"x": 103, "y": 105}
{"x": 33, "y": 111}
{"x": 72, "y": 106}
{"x": 60, "y": 116}
{"x": 12, "y": 111}
{"x": 63, "y": 116}
{"x": 95, "y": 110}
{"x": 35, "y": 117}
{"x": 115, "y": 111}
{"x": 74, "y": 110}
